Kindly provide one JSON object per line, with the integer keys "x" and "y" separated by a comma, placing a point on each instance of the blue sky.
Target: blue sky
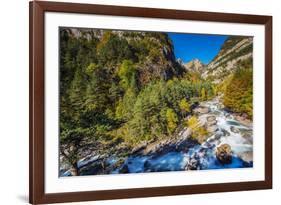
{"x": 201, "y": 46}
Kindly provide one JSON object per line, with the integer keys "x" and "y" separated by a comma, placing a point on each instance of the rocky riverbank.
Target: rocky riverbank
{"x": 228, "y": 144}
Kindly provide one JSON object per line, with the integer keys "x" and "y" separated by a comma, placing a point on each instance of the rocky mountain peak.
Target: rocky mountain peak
{"x": 194, "y": 65}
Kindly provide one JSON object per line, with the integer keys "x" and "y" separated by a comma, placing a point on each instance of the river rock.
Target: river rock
{"x": 201, "y": 110}
{"x": 212, "y": 128}
{"x": 246, "y": 156}
{"x": 243, "y": 119}
{"x": 193, "y": 164}
{"x": 185, "y": 145}
{"x": 225, "y": 132}
{"x": 221, "y": 106}
{"x": 95, "y": 168}
{"x": 71, "y": 172}
{"x": 224, "y": 154}
{"x": 228, "y": 116}
{"x": 248, "y": 137}
{"x": 146, "y": 165}
{"x": 208, "y": 145}
{"x": 211, "y": 123}
{"x": 185, "y": 133}
{"x": 139, "y": 148}
{"x": 234, "y": 129}
{"x": 218, "y": 135}
{"x": 211, "y": 118}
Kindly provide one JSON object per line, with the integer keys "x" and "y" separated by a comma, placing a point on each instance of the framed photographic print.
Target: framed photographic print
{"x": 139, "y": 102}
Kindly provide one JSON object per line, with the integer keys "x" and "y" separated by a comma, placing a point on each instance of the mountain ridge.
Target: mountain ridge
{"x": 236, "y": 49}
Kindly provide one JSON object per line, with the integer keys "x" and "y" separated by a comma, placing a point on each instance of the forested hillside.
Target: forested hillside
{"x": 120, "y": 90}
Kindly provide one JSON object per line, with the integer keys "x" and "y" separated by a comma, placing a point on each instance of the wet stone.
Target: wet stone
{"x": 234, "y": 129}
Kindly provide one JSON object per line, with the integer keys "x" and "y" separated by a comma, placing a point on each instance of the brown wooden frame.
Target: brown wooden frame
{"x": 36, "y": 100}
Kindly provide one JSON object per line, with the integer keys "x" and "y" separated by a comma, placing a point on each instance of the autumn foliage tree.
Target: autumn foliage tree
{"x": 172, "y": 120}
{"x": 184, "y": 106}
{"x": 238, "y": 95}
{"x": 199, "y": 132}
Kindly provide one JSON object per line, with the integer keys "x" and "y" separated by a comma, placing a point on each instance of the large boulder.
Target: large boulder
{"x": 224, "y": 154}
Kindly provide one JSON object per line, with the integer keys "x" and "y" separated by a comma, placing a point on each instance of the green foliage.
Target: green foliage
{"x": 148, "y": 120}
{"x": 91, "y": 69}
{"x": 127, "y": 74}
{"x": 124, "y": 109}
{"x": 113, "y": 50}
{"x": 151, "y": 115}
{"x": 103, "y": 100}
{"x": 172, "y": 120}
{"x": 154, "y": 55}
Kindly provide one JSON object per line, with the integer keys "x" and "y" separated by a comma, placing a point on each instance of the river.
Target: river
{"x": 225, "y": 130}
{"x": 228, "y": 131}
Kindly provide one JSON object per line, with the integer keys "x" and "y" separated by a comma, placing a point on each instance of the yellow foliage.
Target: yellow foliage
{"x": 172, "y": 120}
{"x": 184, "y": 105}
{"x": 199, "y": 133}
{"x": 193, "y": 122}
{"x": 91, "y": 68}
{"x": 203, "y": 94}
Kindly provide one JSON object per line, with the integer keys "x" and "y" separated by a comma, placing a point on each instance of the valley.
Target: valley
{"x": 127, "y": 105}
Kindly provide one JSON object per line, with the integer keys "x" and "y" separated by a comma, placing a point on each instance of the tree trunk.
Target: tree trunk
{"x": 75, "y": 170}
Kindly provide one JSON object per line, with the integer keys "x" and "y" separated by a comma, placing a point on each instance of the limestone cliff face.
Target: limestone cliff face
{"x": 235, "y": 50}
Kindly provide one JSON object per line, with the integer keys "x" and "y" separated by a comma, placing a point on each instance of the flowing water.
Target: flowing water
{"x": 229, "y": 131}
